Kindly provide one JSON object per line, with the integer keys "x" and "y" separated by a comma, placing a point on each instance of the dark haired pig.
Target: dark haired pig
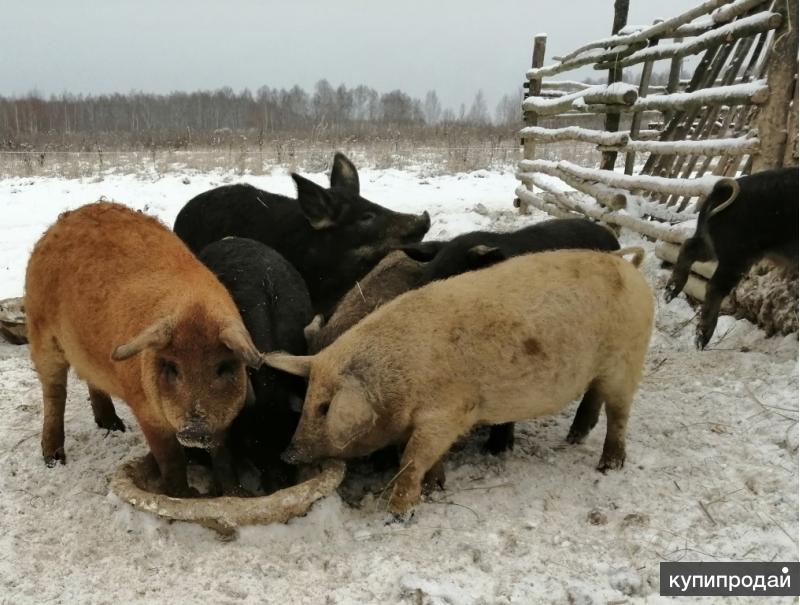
{"x": 741, "y": 221}
{"x": 394, "y": 275}
{"x": 430, "y": 261}
{"x": 117, "y": 296}
{"x": 274, "y": 303}
{"x": 333, "y": 237}
{"x": 415, "y": 265}
{"x": 484, "y": 248}
{"x": 517, "y": 340}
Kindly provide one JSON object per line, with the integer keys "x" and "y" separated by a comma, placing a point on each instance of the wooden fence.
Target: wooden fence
{"x": 737, "y": 114}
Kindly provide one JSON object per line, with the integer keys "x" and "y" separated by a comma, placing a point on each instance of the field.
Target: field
{"x": 712, "y": 471}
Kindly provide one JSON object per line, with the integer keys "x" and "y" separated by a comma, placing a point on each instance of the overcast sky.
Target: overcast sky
{"x": 452, "y": 46}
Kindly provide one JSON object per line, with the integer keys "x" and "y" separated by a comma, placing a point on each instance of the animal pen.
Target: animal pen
{"x": 736, "y": 114}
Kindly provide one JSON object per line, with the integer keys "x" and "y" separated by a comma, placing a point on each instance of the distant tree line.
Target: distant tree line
{"x": 269, "y": 111}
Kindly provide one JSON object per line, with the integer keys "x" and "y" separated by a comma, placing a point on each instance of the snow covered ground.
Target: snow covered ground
{"x": 712, "y": 471}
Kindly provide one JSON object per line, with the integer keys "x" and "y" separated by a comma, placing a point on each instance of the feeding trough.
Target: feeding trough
{"x": 12, "y": 321}
{"x": 226, "y": 513}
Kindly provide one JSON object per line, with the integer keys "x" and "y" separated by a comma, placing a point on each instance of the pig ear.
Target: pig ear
{"x": 315, "y": 202}
{"x": 484, "y": 256}
{"x": 423, "y": 252}
{"x": 299, "y": 365}
{"x": 350, "y": 416}
{"x": 313, "y": 328}
{"x": 155, "y": 336}
{"x": 236, "y": 337}
{"x": 344, "y": 175}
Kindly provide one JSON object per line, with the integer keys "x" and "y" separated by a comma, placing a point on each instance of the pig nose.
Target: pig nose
{"x": 290, "y": 456}
{"x": 197, "y": 434}
{"x": 425, "y": 219}
{"x": 418, "y": 227}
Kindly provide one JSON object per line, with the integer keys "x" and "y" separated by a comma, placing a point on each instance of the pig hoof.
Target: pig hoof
{"x": 575, "y": 437}
{"x": 701, "y": 338}
{"x": 111, "y": 424}
{"x": 56, "y": 457}
{"x": 669, "y": 292}
{"x": 401, "y": 518}
{"x": 495, "y": 446}
{"x": 433, "y": 481}
{"x": 501, "y": 439}
{"x": 610, "y": 464}
{"x": 236, "y": 492}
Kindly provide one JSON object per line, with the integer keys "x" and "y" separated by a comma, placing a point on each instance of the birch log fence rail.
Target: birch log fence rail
{"x": 736, "y": 114}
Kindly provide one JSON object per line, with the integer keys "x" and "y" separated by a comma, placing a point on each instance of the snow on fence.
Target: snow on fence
{"x": 736, "y": 114}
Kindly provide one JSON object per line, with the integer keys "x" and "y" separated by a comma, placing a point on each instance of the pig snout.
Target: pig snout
{"x": 196, "y": 433}
{"x": 295, "y": 455}
{"x": 410, "y": 228}
{"x": 421, "y": 225}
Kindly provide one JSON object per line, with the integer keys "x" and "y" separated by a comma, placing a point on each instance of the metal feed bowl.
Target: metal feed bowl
{"x": 225, "y": 514}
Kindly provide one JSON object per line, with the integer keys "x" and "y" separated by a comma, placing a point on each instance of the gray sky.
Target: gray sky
{"x": 452, "y": 46}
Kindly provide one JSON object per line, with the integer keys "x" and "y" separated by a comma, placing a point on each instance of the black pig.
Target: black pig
{"x": 333, "y": 237}
{"x": 275, "y": 306}
{"x": 479, "y": 249}
{"x": 741, "y": 221}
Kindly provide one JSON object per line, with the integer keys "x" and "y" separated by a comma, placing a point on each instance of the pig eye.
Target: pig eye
{"x": 226, "y": 368}
{"x": 168, "y": 369}
{"x": 323, "y": 409}
{"x": 367, "y": 217}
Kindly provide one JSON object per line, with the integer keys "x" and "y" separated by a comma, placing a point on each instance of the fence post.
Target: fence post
{"x": 773, "y": 117}
{"x": 534, "y": 89}
{"x": 636, "y": 120}
{"x": 674, "y": 82}
{"x": 615, "y": 75}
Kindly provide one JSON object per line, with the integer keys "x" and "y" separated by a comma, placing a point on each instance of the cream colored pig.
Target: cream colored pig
{"x": 518, "y": 340}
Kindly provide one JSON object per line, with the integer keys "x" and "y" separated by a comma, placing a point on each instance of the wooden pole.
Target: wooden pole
{"x": 615, "y": 75}
{"x": 534, "y": 89}
{"x": 790, "y": 153}
{"x": 636, "y": 121}
{"x": 675, "y": 68}
{"x": 772, "y": 119}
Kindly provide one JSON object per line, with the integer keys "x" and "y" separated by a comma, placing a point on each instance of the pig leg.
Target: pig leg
{"x": 721, "y": 283}
{"x": 53, "y": 376}
{"x": 693, "y": 249}
{"x": 618, "y": 405}
{"x": 170, "y": 458}
{"x": 586, "y": 416}
{"x": 434, "y": 479}
{"x": 427, "y": 445}
{"x": 501, "y": 439}
{"x": 225, "y": 477}
{"x": 105, "y": 416}
{"x": 51, "y": 367}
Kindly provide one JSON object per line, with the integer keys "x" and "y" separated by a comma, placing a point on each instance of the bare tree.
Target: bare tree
{"x": 509, "y": 109}
{"x": 431, "y": 107}
{"x": 478, "y": 112}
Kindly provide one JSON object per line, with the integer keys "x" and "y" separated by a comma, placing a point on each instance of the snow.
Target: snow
{"x": 730, "y": 146}
{"x": 576, "y": 100}
{"x": 697, "y": 186}
{"x": 575, "y": 133}
{"x": 705, "y": 96}
{"x": 713, "y": 430}
{"x": 739, "y": 28}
